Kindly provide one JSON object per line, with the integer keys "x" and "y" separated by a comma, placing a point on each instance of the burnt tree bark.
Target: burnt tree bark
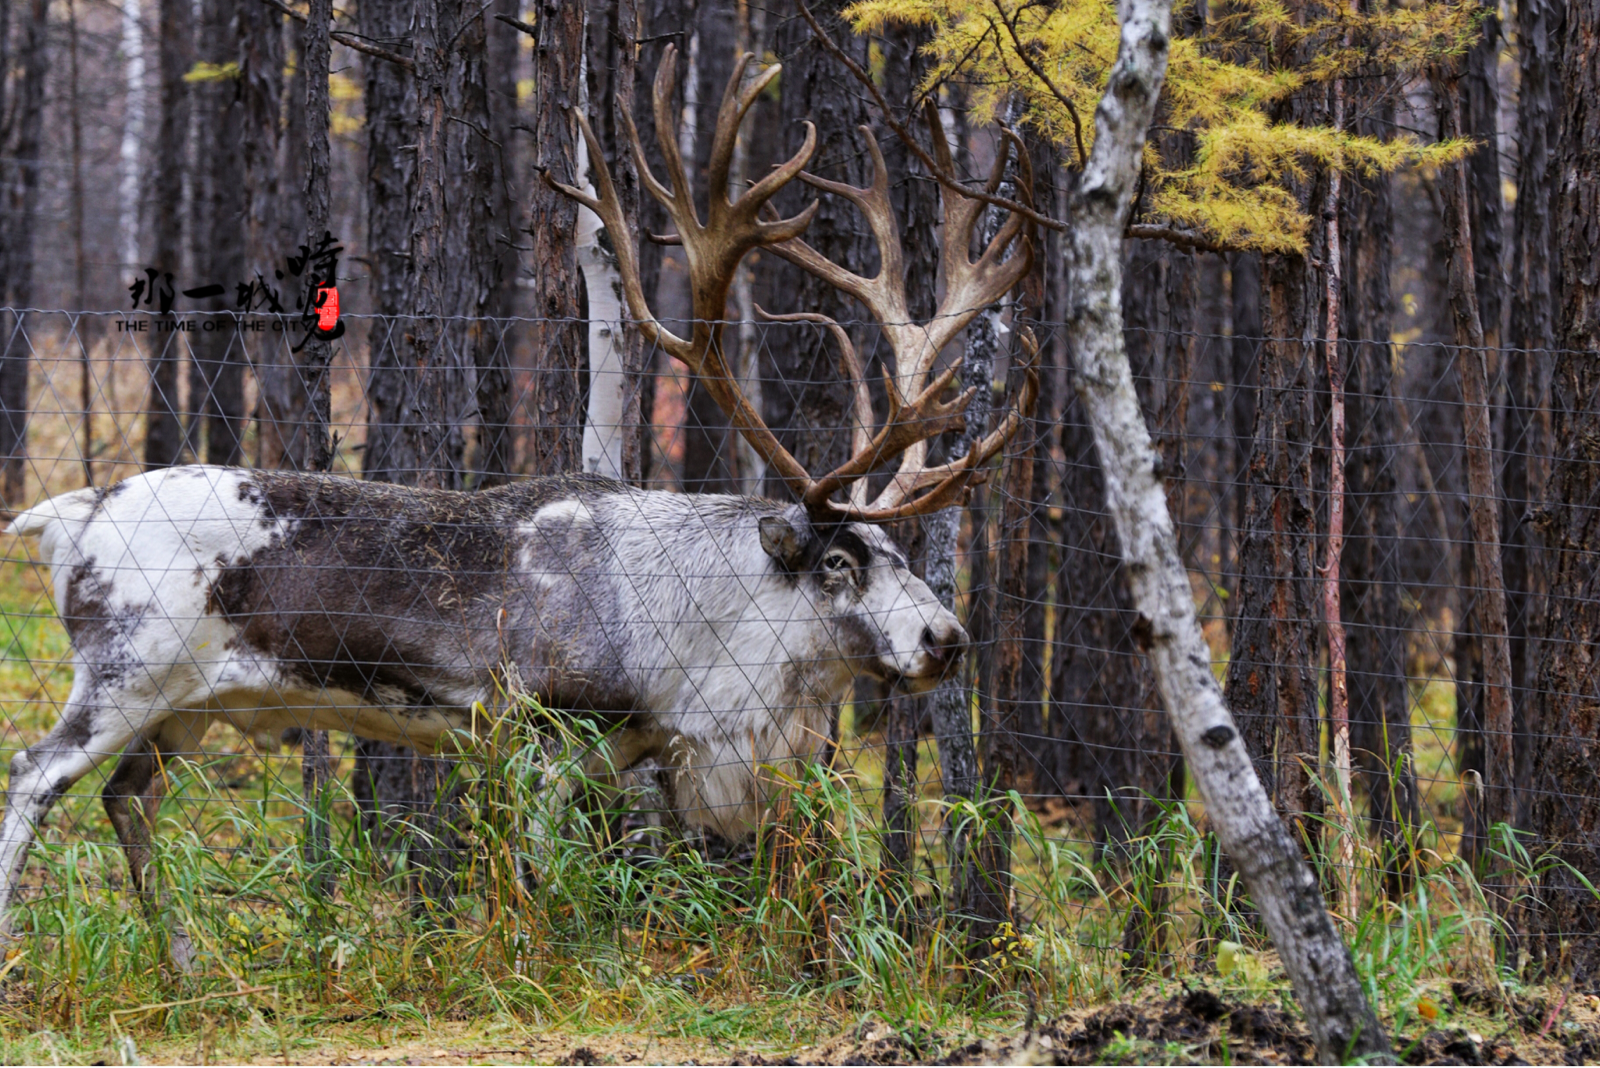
{"x": 1566, "y": 719}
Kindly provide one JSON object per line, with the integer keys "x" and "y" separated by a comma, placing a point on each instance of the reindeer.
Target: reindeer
{"x": 712, "y": 634}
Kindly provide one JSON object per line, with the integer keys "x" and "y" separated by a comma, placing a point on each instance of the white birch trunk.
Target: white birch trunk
{"x": 604, "y": 432}
{"x": 132, "y": 133}
{"x": 1280, "y": 883}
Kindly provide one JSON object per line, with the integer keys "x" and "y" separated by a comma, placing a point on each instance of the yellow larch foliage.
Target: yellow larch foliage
{"x": 1227, "y": 86}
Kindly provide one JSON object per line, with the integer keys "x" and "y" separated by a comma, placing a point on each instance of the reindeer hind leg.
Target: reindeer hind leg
{"x": 132, "y": 799}
{"x": 89, "y": 730}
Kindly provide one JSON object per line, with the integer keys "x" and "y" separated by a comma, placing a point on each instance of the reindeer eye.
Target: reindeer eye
{"x": 837, "y": 561}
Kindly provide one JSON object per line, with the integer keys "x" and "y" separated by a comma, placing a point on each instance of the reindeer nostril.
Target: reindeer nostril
{"x": 929, "y": 640}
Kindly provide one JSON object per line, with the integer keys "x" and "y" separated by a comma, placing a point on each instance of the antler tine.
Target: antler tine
{"x": 971, "y": 286}
{"x": 609, "y": 209}
{"x": 901, "y": 499}
{"x": 680, "y": 199}
{"x": 908, "y": 428}
{"x": 861, "y": 433}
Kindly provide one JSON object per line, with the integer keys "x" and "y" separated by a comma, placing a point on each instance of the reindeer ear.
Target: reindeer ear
{"x": 781, "y": 541}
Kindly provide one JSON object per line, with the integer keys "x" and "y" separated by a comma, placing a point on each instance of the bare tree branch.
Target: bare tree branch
{"x": 941, "y": 175}
{"x": 1038, "y": 72}
{"x": 349, "y": 40}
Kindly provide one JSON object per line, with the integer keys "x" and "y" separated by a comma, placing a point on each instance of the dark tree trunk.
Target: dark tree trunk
{"x": 436, "y": 396}
{"x": 1566, "y": 727}
{"x": 1112, "y": 743}
{"x": 805, "y": 398}
{"x": 1480, "y": 105}
{"x": 555, "y": 396}
{"x": 291, "y": 425}
{"x": 667, "y": 22}
{"x": 316, "y": 763}
{"x": 1380, "y": 710}
{"x": 261, "y": 60}
{"x": 1043, "y": 308}
{"x": 709, "y": 463}
{"x": 164, "y": 434}
{"x": 390, "y": 126}
{"x": 1244, "y": 347}
{"x": 1524, "y": 424}
{"x": 23, "y": 206}
{"x": 1489, "y": 608}
{"x": 382, "y": 779}
{"x": 916, "y": 207}
{"x": 1272, "y": 680}
{"x": 217, "y": 251}
{"x": 480, "y": 232}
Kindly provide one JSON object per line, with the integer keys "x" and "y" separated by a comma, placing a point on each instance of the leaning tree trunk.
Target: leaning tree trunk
{"x": 1566, "y": 720}
{"x": 1283, "y": 887}
{"x": 23, "y": 206}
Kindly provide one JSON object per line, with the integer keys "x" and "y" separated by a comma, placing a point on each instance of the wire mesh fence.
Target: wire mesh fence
{"x": 1241, "y": 431}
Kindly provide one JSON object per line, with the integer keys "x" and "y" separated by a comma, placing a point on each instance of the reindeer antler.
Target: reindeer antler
{"x": 734, "y": 227}
{"x": 714, "y": 248}
{"x": 915, "y": 412}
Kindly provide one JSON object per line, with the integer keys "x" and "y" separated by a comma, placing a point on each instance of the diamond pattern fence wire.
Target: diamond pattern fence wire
{"x": 1241, "y": 428}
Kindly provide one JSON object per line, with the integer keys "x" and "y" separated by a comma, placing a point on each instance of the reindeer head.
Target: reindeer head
{"x": 884, "y": 621}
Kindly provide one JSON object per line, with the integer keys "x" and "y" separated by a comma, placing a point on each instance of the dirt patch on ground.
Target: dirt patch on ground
{"x": 1201, "y": 1027}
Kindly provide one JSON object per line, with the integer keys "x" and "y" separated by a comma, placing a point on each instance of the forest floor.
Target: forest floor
{"x": 1164, "y": 1023}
